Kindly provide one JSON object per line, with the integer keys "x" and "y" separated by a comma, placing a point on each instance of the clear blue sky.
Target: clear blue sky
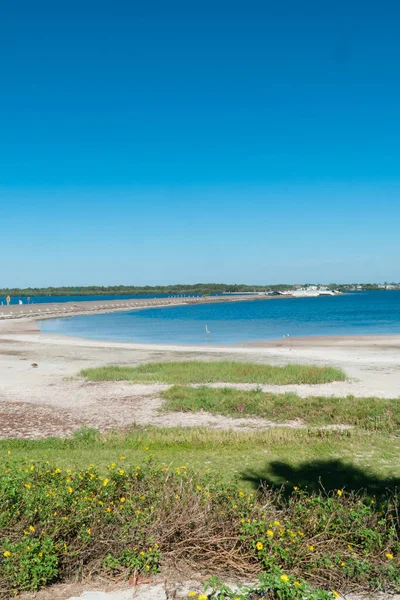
{"x": 155, "y": 142}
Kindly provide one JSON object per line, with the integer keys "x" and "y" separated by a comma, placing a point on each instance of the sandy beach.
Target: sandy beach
{"x": 51, "y": 400}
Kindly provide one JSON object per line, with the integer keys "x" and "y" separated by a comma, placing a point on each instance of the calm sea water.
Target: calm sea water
{"x": 240, "y": 322}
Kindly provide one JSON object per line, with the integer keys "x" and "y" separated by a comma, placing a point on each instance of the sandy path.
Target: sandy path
{"x": 36, "y": 402}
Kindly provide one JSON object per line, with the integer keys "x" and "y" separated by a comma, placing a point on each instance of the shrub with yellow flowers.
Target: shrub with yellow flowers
{"x": 131, "y": 519}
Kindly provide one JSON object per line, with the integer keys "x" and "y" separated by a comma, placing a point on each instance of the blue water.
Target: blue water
{"x": 240, "y": 322}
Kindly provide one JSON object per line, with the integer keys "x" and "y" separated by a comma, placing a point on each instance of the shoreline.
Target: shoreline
{"x": 20, "y": 323}
{"x": 28, "y": 330}
{"x": 42, "y": 395}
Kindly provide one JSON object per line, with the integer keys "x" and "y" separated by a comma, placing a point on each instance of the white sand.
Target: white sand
{"x": 36, "y": 402}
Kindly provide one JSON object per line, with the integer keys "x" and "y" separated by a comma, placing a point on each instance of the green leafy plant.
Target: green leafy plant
{"x": 30, "y": 563}
{"x": 133, "y": 518}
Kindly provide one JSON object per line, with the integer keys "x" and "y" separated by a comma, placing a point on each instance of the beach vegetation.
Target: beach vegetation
{"x": 182, "y": 372}
{"x": 58, "y": 524}
{"x": 372, "y": 414}
{"x": 354, "y": 458}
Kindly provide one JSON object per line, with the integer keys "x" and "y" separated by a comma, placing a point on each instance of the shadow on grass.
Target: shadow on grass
{"x": 330, "y": 475}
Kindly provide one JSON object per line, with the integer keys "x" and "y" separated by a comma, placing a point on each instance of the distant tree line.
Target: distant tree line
{"x": 197, "y": 288}
{"x": 96, "y": 290}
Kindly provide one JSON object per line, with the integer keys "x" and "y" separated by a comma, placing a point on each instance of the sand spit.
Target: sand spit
{"x": 69, "y": 309}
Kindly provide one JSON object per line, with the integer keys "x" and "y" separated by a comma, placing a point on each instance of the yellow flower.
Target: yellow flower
{"x": 88, "y": 530}
{"x": 259, "y": 546}
{"x": 40, "y": 554}
{"x": 31, "y": 528}
{"x": 122, "y": 458}
{"x": 297, "y": 583}
{"x": 192, "y": 594}
{"x": 121, "y": 472}
{"x": 342, "y": 564}
{"x": 7, "y": 554}
{"x": 27, "y": 485}
{"x": 122, "y": 500}
{"x": 108, "y": 509}
{"x": 389, "y": 556}
{"x": 198, "y": 487}
{"x": 311, "y": 548}
{"x": 284, "y": 578}
{"x": 334, "y": 592}
{"x": 70, "y": 489}
{"x": 339, "y": 493}
{"x": 295, "y": 488}
{"x": 105, "y": 482}
{"x": 202, "y": 597}
{"x": 277, "y": 523}
{"x": 270, "y": 533}
{"x": 142, "y": 553}
{"x": 9, "y": 452}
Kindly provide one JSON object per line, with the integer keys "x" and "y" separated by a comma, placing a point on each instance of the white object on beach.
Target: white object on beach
{"x": 144, "y": 592}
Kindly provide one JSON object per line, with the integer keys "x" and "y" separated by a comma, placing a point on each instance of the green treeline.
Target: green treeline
{"x": 197, "y": 288}
{"x": 94, "y": 290}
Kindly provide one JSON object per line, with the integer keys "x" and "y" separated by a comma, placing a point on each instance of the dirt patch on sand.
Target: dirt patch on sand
{"x": 24, "y": 420}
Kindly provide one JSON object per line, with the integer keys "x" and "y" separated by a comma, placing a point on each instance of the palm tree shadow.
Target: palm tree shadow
{"x": 331, "y": 475}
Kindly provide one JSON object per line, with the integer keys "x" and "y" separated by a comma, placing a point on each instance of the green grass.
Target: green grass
{"x": 367, "y": 413}
{"x": 276, "y": 455}
{"x": 216, "y": 371}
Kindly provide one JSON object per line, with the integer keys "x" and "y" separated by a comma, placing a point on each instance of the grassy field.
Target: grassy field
{"x": 212, "y": 372}
{"x": 351, "y": 458}
{"x": 375, "y": 414}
